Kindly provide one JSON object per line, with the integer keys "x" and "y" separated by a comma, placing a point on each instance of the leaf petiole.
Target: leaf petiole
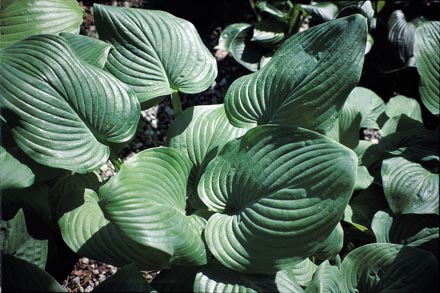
{"x": 177, "y": 106}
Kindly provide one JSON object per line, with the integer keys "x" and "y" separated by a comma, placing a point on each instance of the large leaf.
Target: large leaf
{"x": 278, "y": 192}
{"x": 147, "y": 200}
{"x": 200, "y": 132}
{"x": 21, "y": 276}
{"x": 326, "y": 279}
{"x": 307, "y": 80}
{"x": 155, "y": 53}
{"x": 410, "y": 188}
{"x": 426, "y": 46}
{"x": 24, "y": 18}
{"x": 384, "y": 267}
{"x": 13, "y": 173}
{"x": 126, "y": 279}
{"x": 63, "y": 113}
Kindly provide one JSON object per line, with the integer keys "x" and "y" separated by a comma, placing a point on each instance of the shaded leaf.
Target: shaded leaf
{"x": 178, "y": 279}
{"x": 228, "y": 34}
{"x": 363, "y": 178}
{"x": 368, "y": 104}
{"x": 300, "y": 275}
{"x": 326, "y": 279}
{"x": 332, "y": 245}
{"x": 323, "y": 10}
{"x": 14, "y": 174}
{"x": 403, "y": 105}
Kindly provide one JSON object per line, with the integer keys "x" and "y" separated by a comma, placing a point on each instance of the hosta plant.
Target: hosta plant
{"x": 270, "y": 191}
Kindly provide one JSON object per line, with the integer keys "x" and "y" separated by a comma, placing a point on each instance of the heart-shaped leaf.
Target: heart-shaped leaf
{"x": 91, "y": 50}
{"x": 147, "y": 200}
{"x": 155, "y": 53}
{"x": 307, "y": 80}
{"x": 14, "y": 174}
{"x": 326, "y": 279}
{"x": 24, "y": 18}
{"x": 63, "y": 112}
{"x": 200, "y": 132}
{"x": 382, "y": 267}
{"x": 273, "y": 175}
{"x": 426, "y": 44}
{"x": 410, "y": 188}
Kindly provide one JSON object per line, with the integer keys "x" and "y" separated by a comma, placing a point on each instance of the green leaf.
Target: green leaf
{"x": 14, "y": 174}
{"x": 363, "y": 178}
{"x": 20, "y": 244}
{"x": 368, "y": 104}
{"x": 320, "y": 67}
{"x": 200, "y": 132}
{"x": 63, "y": 113}
{"x": 384, "y": 267}
{"x": 90, "y": 50}
{"x": 399, "y": 105}
{"x": 87, "y": 232}
{"x": 228, "y": 34}
{"x": 347, "y": 126}
{"x": 381, "y": 225}
{"x": 126, "y": 279}
{"x": 155, "y": 53}
{"x": 426, "y": 44}
{"x": 267, "y": 33}
{"x": 278, "y": 192}
{"x": 301, "y": 274}
{"x": 147, "y": 201}
{"x": 178, "y": 279}
{"x": 21, "y": 276}
{"x": 326, "y": 279}
{"x": 24, "y": 18}
{"x": 331, "y": 246}
{"x": 410, "y": 188}
{"x": 323, "y": 10}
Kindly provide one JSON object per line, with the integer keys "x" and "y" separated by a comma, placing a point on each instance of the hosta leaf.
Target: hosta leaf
{"x": 323, "y": 10}
{"x": 21, "y": 276}
{"x": 347, "y": 126}
{"x": 403, "y": 105}
{"x": 410, "y": 188}
{"x": 244, "y": 51}
{"x": 228, "y": 34}
{"x": 278, "y": 192}
{"x": 307, "y": 80}
{"x": 267, "y": 33}
{"x": 91, "y": 50}
{"x": 63, "y": 113}
{"x": 426, "y": 46}
{"x": 326, "y": 279}
{"x": 87, "y": 232}
{"x": 216, "y": 278}
{"x": 24, "y": 18}
{"x": 14, "y": 174}
{"x": 200, "y": 132}
{"x": 178, "y": 279}
{"x": 331, "y": 246}
{"x": 384, "y": 267}
{"x": 146, "y": 200}
{"x": 19, "y": 243}
{"x": 301, "y": 274}
{"x": 126, "y": 279}
{"x": 155, "y": 53}
{"x": 368, "y": 104}
{"x": 381, "y": 225}
{"x": 363, "y": 178}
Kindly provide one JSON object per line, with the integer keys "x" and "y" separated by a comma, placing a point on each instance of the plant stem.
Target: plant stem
{"x": 177, "y": 106}
{"x": 115, "y": 161}
{"x": 252, "y": 4}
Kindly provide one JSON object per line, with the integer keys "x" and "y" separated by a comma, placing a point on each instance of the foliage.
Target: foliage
{"x": 272, "y": 191}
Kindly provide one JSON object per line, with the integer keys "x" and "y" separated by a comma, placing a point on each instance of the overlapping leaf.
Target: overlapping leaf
{"x": 301, "y": 274}
{"x": 146, "y": 200}
{"x": 126, "y": 279}
{"x": 410, "y": 188}
{"x": 307, "y": 80}
{"x": 278, "y": 192}
{"x": 368, "y": 104}
{"x": 399, "y": 105}
{"x": 155, "y": 53}
{"x": 14, "y": 174}
{"x": 326, "y": 279}
{"x": 63, "y": 113}
{"x": 382, "y": 267}
{"x": 426, "y": 46}
{"x": 24, "y": 18}
{"x": 323, "y": 10}
{"x": 200, "y": 132}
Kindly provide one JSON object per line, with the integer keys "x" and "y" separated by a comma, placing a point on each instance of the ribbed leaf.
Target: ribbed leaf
{"x": 228, "y": 34}
{"x": 326, "y": 279}
{"x": 200, "y": 132}
{"x": 126, "y": 279}
{"x": 244, "y": 51}
{"x": 146, "y": 200}
{"x": 324, "y": 10}
{"x": 301, "y": 274}
{"x": 410, "y": 188}
{"x": 21, "y": 276}
{"x": 24, "y": 18}
{"x": 63, "y": 113}
{"x": 331, "y": 246}
{"x": 403, "y": 105}
{"x": 14, "y": 174}
{"x": 155, "y": 53}
{"x": 91, "y": 50}
{"x": 278, "y": 192}
{"x": 381, "y": 225}
{"x": 307, "y": 80}
{"x": 368, "y": 104}
{"x": 268, "y": 33}
{"x": 87, "y": 232}
{"x": 426, "y": 46}
{"x": 384, "y": 267}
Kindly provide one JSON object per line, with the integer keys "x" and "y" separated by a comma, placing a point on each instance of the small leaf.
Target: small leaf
{"x": 381, "y": 225}
{"x": 410, "y": 188}
{"x": 369, "y": 104}
{"x": 155, "y": 53}
{"x": 426, "y": 46}
{"x": 320, "y": 66}
{"x": 276, "y": 186}
{"x": 228, "y": 34}
{"x": 21, "y": 276}
{"x": 326, "y": 279}
{"x": 90, "y": 50}
{"x": 323, "y": 10}
{"x": 382, "y": 267}
{"x": 245, "y": 51}
{"x": 14, "y": 174}
{"x": 301, "y": 274}
{"x": 24, "y": 18}
{"x": 403, "y": 105}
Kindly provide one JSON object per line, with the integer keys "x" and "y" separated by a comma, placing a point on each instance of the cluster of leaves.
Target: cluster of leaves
{"x": 270, "y": 191}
